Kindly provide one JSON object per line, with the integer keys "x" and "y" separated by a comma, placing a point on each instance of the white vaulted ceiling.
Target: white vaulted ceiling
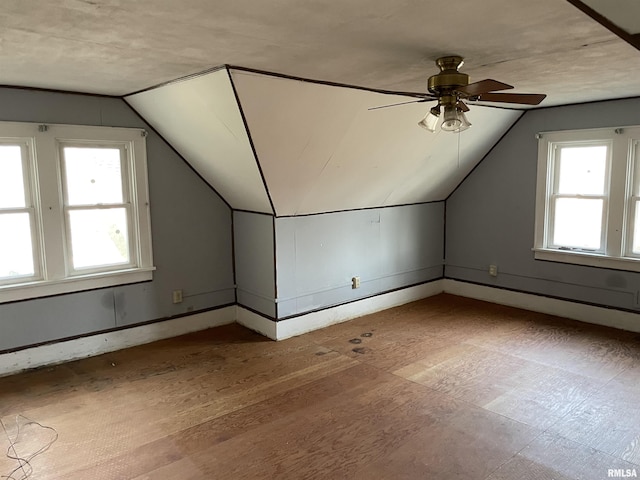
{"x": 319, "y": 147}
{"x": 200, "y": 118}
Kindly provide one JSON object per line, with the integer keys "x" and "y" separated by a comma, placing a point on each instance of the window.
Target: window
{"x": 74, "y": 209}
{"x": 588, "y": 198}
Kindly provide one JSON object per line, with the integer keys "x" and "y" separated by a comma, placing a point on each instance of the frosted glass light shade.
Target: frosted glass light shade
{"x": 430, "y": 120}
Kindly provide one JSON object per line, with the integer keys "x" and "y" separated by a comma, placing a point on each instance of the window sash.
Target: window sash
{"x": 552, "y": 217}
{"x": 30, "y": 207}
{"x": 125, "y": 179}
{"x": 552, "y": 183}
{"x": 633, "y": 199}
{"x": 125, "y": 170}
{"x": 133, "y": 258}
{"x": 34, "y": 247}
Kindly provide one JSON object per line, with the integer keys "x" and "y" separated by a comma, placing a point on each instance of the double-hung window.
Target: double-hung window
{"x": 588, "y": 198}
{"x": 74, "y": 209}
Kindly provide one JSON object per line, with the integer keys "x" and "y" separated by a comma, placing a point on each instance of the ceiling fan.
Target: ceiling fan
{"x": 450, "y": 87}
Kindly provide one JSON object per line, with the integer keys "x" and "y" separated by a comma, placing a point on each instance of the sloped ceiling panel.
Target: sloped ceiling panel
{"x": 322, "y": 150}
{"x": 200, "y": 118}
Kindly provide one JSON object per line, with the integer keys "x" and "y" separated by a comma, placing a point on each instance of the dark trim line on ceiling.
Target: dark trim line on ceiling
{"x": 591, "y": 102}
{"x": 114, "y": 329}
{"x": 54, "y": 90}
{"x": 486, "y": 155}
{"x": 631, "y": 39}
{"x": 324, "y": 82}
{"x": 302, "y": 314}
{"x": 544, "y": 295}
{"x": 155, "y": 131}
{"x": 177, "y": 80}
{"x": 346, "y": 85}
{"x": 242, "y": 210}
{"x": 358, "y": 209}
{"x": 253, "y": 147}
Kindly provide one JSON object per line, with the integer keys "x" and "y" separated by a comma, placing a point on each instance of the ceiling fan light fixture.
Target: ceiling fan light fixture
{"x": 430, "y": 120}
{"x": 452, "y": 121}
{"x": 465, "y": 122}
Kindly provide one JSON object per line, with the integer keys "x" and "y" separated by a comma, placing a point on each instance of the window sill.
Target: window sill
{"x": 587, "y": 259}
{"x": 46, "y": 288}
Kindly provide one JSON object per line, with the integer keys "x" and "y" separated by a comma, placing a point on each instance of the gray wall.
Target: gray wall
{"x": 254, "y": 261}
{"x": 191, "y": 227}
{"x": 389, "y": 248}
{"x": 490, "y": 217}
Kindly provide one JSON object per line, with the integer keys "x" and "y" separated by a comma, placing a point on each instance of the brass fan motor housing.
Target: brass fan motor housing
{"x": 449, "y": 78}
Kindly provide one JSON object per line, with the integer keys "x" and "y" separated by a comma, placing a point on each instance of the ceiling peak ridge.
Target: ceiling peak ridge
{"x": 190, "y": 76}
{"x": 329, "y": 83}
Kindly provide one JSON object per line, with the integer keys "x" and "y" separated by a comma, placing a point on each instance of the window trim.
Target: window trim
{"x": 128, "y": 203}
{"x": 45, "y": 177}
{"x": 622, "y": 168}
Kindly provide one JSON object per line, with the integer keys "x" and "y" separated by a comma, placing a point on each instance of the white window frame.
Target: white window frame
{"x": 622, "y": 177}
{"x": 54, "y": 272}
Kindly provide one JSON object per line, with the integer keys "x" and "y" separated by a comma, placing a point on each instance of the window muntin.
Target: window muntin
{"x": 81, "y": 235}
{"x": 588, "y": 196}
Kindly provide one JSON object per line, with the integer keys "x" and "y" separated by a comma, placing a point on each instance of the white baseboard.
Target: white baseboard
{"x": 562, "y": 308}
{"x": 315, "y": 320}
{"x": 256, "y": 322}
{"x": 54, "y": 353}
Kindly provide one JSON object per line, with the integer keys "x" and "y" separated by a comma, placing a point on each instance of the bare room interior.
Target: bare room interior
{"x": 287, "y": 240}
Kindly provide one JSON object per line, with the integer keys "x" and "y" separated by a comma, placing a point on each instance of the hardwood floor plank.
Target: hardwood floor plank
{"x": 553, "y": 457}
{"x": 469, "y": 445}
{"x": 609, "y": 421}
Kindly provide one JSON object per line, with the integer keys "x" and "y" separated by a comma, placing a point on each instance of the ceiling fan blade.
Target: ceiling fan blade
{"x": 462, "y": 106}
{"x": 483, "y": 86}
{"x": 522, "y": 98}
{"x": 401, "y": 103}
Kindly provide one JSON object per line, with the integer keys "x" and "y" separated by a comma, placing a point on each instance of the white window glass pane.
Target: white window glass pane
{"x": 99, "y": 237}
{"x": 93, "y": 175}
{"x": 16, "y": 249}
{"x": 636, "y": 230}
{"x": 582, "y": 170}
{"x": 11, "y": 177}
{"x": 578, "y": 223}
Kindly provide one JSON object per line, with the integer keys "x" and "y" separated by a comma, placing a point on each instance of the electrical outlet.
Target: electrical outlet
{"x": 177, "y": 296}
{"x": 355, "y": 282}
{"x": 493, "y": 270}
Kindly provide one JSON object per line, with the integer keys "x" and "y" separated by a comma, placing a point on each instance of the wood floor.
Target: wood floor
{"x": 445, "y": 388}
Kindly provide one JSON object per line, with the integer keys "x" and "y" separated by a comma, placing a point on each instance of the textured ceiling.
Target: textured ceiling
{"x": 118, "y": 47}
{"x": 306, "y": 147}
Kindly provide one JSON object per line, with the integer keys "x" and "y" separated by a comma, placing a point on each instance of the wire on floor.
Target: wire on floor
{"x": 24, "y": 469}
